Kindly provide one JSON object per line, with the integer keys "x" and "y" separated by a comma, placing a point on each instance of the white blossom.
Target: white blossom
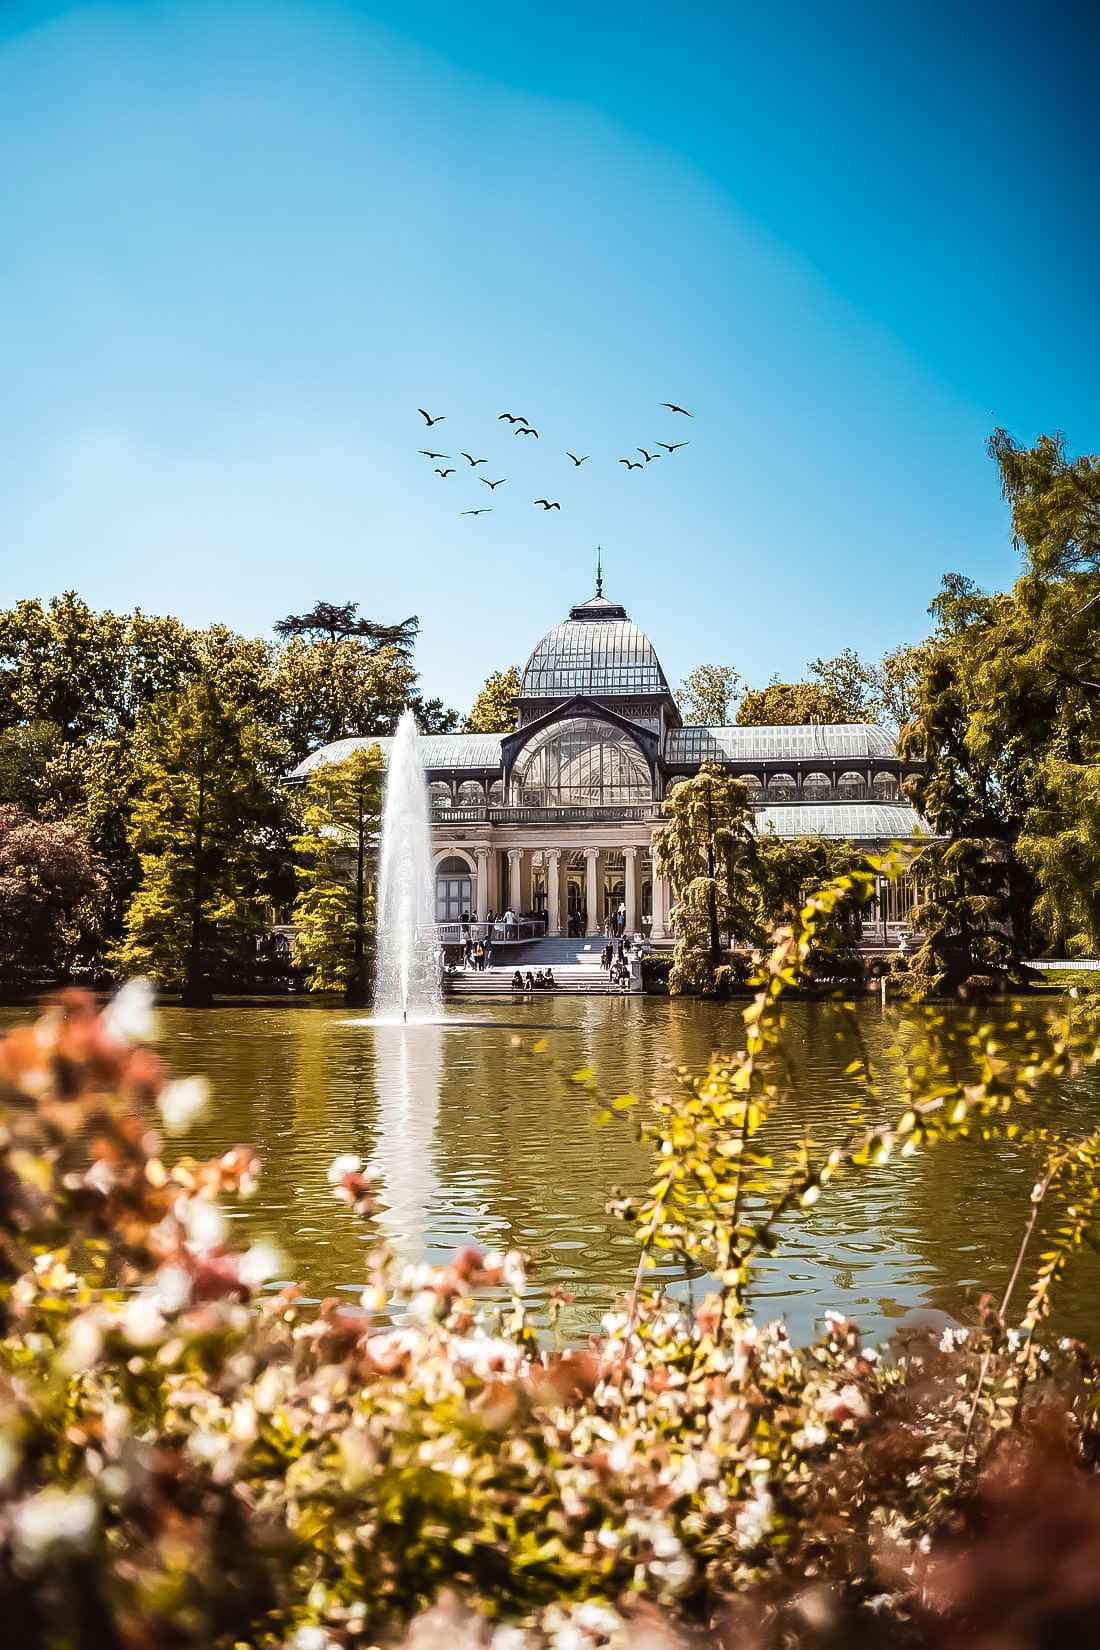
{"x": 259, "y": 1263}
{"x": 205, "y": 1224}
{"x": 129, "y": 1017}
{"x": 347, "y": 1163}
{"x": 181, "y": 1102}
{"x": 51, "y": 1522}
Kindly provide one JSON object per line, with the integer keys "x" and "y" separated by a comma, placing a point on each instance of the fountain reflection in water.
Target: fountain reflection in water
{"x": 407, "y": 987}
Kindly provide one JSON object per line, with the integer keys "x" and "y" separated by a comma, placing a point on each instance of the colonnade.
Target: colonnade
{"x": 515, "y": 884}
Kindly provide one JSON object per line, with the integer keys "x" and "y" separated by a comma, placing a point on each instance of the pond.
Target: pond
{"x": 476, "y": 1139}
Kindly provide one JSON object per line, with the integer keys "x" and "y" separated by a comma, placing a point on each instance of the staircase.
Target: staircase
{"x": 576, "y": 965}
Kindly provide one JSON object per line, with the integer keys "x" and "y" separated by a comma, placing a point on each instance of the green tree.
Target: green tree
{"x": 494, "y": 709}
{"x": 852, "y": 683}
{"x": 339, "y": 813}
{"x": 50, "y": 885}
{"x": 706, "y": 849}
{"x": 789, "y": 704}
{"x": 27, "y": 751}
{"x": 205, "y": 828}
{"x": 707, "y": 696}
{"x": 338, "y": 688}
{"x": 787, "y": 869}
{"x": 340, "y": 620}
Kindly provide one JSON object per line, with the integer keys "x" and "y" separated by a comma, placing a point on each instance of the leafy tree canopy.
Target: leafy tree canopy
{"x": 340, "y": 621}
{"x": 706, "y": 849}
{"x": 339, "y": 812}
{"x": 789, "y": 704}
{"x": 707, "y": 696}
{"x": 205, "y": 827}
{"x": 494, "y": 709}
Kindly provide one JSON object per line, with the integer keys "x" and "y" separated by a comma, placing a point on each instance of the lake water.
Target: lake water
{"x": 476, "y": 1139}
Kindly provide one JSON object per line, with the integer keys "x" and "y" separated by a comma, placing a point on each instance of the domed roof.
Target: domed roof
{"x": 595, "y": 651}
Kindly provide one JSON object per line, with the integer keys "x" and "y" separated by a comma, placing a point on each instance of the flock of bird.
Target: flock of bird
{"x": 523, "y": 426}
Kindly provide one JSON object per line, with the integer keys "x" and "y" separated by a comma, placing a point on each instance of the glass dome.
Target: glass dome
{"x": 583, "y": 762}
{"x": 596, "y": 651}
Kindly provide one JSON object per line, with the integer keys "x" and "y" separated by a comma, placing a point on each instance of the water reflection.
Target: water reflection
{"x": 408, "y": 1073}
{"x": 478, "y": 1139}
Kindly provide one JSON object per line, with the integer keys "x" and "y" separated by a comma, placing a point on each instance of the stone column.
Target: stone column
{"x": 591, "y": 862}
{"x": 659, "y": 928}
{"x": 482, "y": 883}
{"x": 553, "y": 891}
{"x": 515, "y": 870}
{"x": 631, "y": 855}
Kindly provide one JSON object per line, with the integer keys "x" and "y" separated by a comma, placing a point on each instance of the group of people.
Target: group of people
{"x": 615, "y": 957}
{"x": 534, "y": 982}
{"x": 477, "y": 954}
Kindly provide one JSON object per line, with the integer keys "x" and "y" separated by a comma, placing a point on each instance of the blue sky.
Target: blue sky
{"x": 243, "y": 243}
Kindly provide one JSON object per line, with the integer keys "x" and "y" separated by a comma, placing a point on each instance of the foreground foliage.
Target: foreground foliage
{"x": 186, "y": 1462}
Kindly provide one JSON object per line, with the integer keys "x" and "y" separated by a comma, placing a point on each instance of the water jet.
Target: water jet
{"x": 407, "y": 979}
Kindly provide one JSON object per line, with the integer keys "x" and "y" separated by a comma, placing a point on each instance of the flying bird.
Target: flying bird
{"x": 474, "y": 462}
{"x": 427, "y": 454}
{"x": 546, "y": 504}
{"x": 526, "y": 430}
{"x": 671, "y": 446}
{"x": 486, "y": 510}
{"x": 513, "y": 418}
{"x": 428, "y": 419}
{"x": 630, "y": 464}
{"x": 672, "y": 407}
{"x": 443, "y": 473}
{"x": 492, "y": 484}
{"x": 649, "y": 457}
{"x": 573, "y": 456}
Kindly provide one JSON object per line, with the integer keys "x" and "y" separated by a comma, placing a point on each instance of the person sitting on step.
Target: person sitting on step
{"x": 550, "y": 982}
{"x": 517, "y": 981}
{"x": 529, "y": 982}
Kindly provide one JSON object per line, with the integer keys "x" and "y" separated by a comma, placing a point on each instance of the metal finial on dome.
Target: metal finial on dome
{"x": 599, "y": 571}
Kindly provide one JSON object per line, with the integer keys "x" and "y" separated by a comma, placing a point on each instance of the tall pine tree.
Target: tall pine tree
{"x": 205, "y": 830}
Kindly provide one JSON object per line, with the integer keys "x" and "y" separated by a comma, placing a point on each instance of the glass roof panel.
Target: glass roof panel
{"x": 595, "y": 654}
{"x": 854, "y": 821}
{"x": 767, "y": 744}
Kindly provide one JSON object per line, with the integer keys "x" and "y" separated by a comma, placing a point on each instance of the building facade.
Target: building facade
{"x": 556, "y": 819}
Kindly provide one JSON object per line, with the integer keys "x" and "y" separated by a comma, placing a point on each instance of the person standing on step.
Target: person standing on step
{"x": 488, "y": 950}
{"x": 509, "y": 924}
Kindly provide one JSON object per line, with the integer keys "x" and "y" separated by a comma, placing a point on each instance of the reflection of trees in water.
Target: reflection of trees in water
{"x": 408, "y": 1069}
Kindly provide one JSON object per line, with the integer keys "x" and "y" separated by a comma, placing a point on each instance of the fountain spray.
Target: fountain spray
{"x": 408, "y": 950}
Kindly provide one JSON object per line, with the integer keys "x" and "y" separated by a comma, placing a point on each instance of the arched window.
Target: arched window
{"x": 440, "y": 793}
{"x": 496, "y": 792}
{"x": 781, "y": 787}
{"x": 453, "y": 889}
{"x": 885, "y": 787}
{"x": 752, "y": 785}
{"x": 584, "y": 762}
{"x": 851, "y": 787}
{"x": 817, "y": 787}
{"x": 471, "y": 793}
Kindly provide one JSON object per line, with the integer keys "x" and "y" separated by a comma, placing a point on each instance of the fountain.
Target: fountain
{"x": 407, "y": 987}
